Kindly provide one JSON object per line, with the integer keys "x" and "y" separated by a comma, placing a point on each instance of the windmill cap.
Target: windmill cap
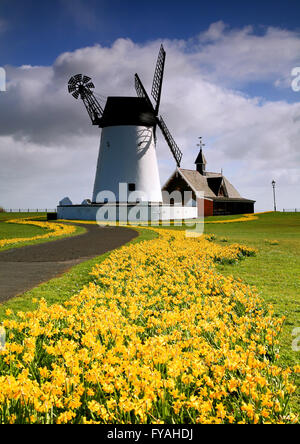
{"x": 127, "y": 111}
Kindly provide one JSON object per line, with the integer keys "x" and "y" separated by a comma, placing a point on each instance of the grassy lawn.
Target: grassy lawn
{"x": 12, "y": 231}
{"x": 9, "y": 216}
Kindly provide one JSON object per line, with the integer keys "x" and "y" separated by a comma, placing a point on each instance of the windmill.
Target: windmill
{"x": 127, "y": 151}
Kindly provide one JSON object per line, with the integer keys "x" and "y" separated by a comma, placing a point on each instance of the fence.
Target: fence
{"x": 28, "y": 210}
{"x": 293, "y": 210}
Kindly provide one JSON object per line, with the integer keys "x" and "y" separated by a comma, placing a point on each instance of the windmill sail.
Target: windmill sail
{"x": 78, "y": 78}
{"x": 141, "y": 92}
{"x": 170, "y": 141}
{"x": 158, "y": 78}
{"x": 156, "y": 94}
{"x": 86, "y": 79}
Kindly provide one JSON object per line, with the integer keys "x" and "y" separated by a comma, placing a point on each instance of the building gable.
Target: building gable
{"x": 217, "y": 186}
{"x": 212, "y": 189}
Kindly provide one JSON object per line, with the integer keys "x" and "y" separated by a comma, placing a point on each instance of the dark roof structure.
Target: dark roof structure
{"x": 201, "y": 159}
{"x": 127, "y": 111}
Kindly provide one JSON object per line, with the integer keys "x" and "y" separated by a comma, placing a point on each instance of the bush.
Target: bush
{"x": 1, "y": 210}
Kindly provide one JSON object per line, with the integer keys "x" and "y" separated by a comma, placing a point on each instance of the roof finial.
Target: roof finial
{"x": 200, "y": 144}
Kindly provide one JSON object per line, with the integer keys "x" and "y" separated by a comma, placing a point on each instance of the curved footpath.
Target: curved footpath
{"x": 22, "y": 269}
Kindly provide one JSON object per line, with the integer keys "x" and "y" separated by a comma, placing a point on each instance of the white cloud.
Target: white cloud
{"x": 239, "y": 56}
{"x": 48, "y": 148}
{"x": 34, "y": 176}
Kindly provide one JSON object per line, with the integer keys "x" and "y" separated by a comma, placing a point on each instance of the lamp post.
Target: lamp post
{"x": 274, "y": 185}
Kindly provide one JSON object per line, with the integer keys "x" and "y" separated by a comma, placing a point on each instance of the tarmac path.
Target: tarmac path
{"x": 22, "y": 269}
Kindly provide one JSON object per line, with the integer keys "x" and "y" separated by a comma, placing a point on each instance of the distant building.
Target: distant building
{"x": 220, "y": 196}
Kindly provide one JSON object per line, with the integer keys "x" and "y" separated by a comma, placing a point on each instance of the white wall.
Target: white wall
{"x": 128, "y": 155}
{"x": 124, "y": 213}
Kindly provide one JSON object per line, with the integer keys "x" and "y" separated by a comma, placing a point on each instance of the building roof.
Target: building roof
{"x": 214, "y": 185}
{"x": 196, "y": 181}
{"x": 232, "y": 199}
{"x": 201, "y": 158}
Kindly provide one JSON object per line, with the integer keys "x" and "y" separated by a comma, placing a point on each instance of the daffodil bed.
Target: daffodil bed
{"x": 53, "y": 230}
{"x": 159, "y": 337}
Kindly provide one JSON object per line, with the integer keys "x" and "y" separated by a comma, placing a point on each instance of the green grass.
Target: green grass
{"x": 9, "y": 216}
{"x": 60, "y": 289}
{"x": 12, "y": 231}
{"x": 217, "y": 218}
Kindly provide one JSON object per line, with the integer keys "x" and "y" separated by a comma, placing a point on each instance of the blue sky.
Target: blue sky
{"x": 228, "y": 79}
{"x": 37, "y": 31}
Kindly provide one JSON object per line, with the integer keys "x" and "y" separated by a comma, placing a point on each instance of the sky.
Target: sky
{"x": 228, "y": 79}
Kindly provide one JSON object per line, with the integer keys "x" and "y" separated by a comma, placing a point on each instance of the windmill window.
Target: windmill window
{"x": 131, "y": 187}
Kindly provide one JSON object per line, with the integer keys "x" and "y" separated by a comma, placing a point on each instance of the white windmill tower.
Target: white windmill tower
{"x": 127, "y": 152}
